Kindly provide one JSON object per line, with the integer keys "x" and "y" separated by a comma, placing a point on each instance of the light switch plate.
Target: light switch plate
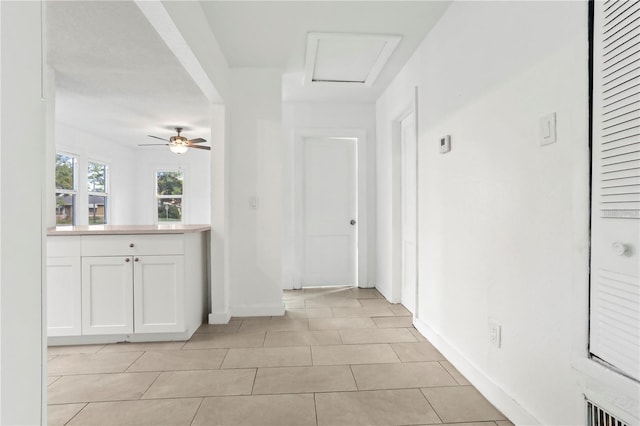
{"x": 445, "y": 144}
{"x": 548, "y": 129}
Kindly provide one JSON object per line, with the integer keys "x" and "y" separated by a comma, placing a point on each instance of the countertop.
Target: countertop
{"x": 126, "y": 229}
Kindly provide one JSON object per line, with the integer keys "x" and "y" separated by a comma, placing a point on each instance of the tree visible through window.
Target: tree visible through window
{"x": 97, "y": 174}
{"x": 65, "y": 189}
{"x": 169, "y": 191}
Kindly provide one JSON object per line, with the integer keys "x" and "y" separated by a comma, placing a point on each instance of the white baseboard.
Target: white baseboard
{"x": 275, "y": 310}
{"x": 490, "y": 390}
{"x": 219, "y": 317}
{"x": 119, "y": 338}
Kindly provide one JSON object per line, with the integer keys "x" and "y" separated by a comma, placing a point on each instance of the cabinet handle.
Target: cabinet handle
{"x": 131, "y": 245}
{"x": 127, "y": 260}
{"x": 136, "y": 259}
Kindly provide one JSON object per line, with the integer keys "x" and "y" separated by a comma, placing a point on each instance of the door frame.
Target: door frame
{"x": 397, "y": 261}
{"x": 293, "y": 240}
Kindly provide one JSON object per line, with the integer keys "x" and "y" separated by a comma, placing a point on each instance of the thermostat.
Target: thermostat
{"x": 445, "y": 144}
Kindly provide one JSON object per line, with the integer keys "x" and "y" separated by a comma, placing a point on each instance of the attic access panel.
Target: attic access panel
{"x": 350, "y": 59}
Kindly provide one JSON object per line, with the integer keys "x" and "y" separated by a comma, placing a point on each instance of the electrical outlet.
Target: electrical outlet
{"x": 495, "y": 333}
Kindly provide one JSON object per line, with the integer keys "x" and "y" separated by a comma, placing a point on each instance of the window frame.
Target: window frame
{"x": 105, "y": 194}
{"x": 157, "y": 197}
{"x": 72, "y": 192}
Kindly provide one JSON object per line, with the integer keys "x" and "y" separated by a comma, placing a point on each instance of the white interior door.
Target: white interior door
{"x": 615, "y": 257}
{"x": 409, "y": 212}
{"x": 329, "y": 212}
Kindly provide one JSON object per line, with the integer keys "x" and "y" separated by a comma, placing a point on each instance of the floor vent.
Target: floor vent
{"x": 596, "y": 416}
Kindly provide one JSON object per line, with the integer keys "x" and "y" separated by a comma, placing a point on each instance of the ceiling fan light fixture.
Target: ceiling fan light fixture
{"x": 178, "y": 149}
{"x": 178, "y": 144}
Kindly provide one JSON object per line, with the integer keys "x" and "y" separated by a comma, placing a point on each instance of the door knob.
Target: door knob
{"x": 353, "y": 221}
{"x": 620, "y": 249}
{"x": 127, "y": 260}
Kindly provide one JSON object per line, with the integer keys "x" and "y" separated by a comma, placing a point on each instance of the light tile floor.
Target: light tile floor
{"x": 339, "y": 356}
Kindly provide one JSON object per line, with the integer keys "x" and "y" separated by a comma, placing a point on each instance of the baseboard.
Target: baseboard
{"x": 219, "y": 317}
{"x": 119, "y": 338}
{"x": 275, "y": 310}
{"x": 490, "y": 390}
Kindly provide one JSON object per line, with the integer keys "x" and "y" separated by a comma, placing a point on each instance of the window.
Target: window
{"x": 66, "y": 189}
{"x": 97, "y": 186}
{"x": 169, "y": 189}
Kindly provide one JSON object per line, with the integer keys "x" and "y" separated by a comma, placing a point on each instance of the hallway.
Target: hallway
{"x": 340, "y": 356}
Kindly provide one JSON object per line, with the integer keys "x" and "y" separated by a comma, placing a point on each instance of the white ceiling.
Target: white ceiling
{"x": 116, "y": 78}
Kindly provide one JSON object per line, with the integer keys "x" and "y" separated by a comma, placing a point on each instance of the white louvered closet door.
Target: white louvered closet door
{"x": 615, "y": 258}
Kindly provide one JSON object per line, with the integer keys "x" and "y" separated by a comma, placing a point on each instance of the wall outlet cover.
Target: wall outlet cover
{"x": 495, "y": 331}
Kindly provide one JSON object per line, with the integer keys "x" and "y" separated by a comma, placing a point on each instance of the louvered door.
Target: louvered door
{"x": 615, "y": 262}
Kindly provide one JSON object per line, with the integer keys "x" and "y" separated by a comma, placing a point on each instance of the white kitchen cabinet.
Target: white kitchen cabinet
{"x": 106, "y": 288}
{"x": 63, "y": 295}
{"x": 158, "y": 294}
{"x": 63, "y": 287}
{"x": 107, "y": 295}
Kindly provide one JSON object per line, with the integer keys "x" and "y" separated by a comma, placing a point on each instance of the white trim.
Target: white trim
{"x": 608, "y": 389}
{"x": 478, "y": 378}
{"x": 396, "y": 214}
{"x": 157, "y": 15}
{"x": 314, "y": 38}
{"x": 219, "y": 317}
{"x": 292, "y": 242}
{"x": 119, "y": 338}
{"x": 276, "y": 310}
{"x": 184, "y": 206}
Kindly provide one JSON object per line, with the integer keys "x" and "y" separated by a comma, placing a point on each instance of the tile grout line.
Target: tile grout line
{"x": 354, "y": 377}
{"x": 134, "y": 361}
{"x": 76, "y": 414}
{"x": 193, "y": 418}
{"x": 224, "y": 358}
{"x": 148, "y": 387}
{"x": 253, "y": 385}
{"x": 429, "y": 403}
{"x": 315, "y": 407}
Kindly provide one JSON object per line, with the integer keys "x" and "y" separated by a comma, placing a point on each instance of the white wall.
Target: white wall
{"x": 132, "y": 177}
{"x": 196, "y": 166}
{"x": 503, "y": 222}
{"x": 22, "y": 148}
{"x": 254, "y": 165}
{"x": 319, "y": 118}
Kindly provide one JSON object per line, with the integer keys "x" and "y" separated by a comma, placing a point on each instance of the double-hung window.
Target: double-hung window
{"x": 66, "y": 189}
{"x": 169, "y": 192}
{"x": 97, "y": 188}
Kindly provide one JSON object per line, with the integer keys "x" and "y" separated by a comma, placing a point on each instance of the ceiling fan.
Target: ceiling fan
{"x": 179, "y": 144}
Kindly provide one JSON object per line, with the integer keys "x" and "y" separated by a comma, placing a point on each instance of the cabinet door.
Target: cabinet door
{"x": 107, "y": 295}
{"x": 63, "y": 296}
{"x": 159, "y": 294}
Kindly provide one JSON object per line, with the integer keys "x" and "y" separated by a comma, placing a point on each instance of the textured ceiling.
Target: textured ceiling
{"x": 274, "y": 34}
{"x": 116, "y": 78}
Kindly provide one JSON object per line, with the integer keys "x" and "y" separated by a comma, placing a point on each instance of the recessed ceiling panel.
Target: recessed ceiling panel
{"x": 346, "y": 60}
{"x": 356, "y": 59}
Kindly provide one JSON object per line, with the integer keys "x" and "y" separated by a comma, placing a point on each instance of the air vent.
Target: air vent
{"x": 596, "y": 416}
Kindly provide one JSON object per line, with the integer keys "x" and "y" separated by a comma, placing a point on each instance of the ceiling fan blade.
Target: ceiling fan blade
{"x": 153, "y": 144}
{"x": 197, "y": 140}
{"x": 156, "y": 137}
{"x": 200, "y": 147}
